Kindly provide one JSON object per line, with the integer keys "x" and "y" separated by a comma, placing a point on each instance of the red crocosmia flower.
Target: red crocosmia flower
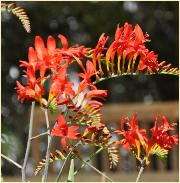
{"x": 63, "y": 41}
{"x": 97, "y": 52}
{"x": 160, "y": 136}
{"x": 150, "y": 62}
{"x": 51, "y": 45}
{"x": 87, "y": 77}
{"x": 136, "y": 139}
{"x": 32, "y": 60}
{"x": 76, "y": 50}
{"x": 48, "y": 58}
{"x": 62, "y": 130}
{"x": 33, "y": 90}
{"x": 72, "y": 53}
{"x": 40, "y": 48}
{"x": 120, "y": 44}
{"x": 60, "y": 85}
{"x": 42, "y": 58}
{"x": 140, "y": 38}
{"x": 133, "y": 137}
{"x": 128, "y": 43}
{"x": 102, "y": 94}
{"x": 29, "y": 94}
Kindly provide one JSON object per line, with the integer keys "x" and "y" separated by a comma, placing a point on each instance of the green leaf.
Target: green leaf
{"x": 71, "y": 172}
{"x": 53, "y": 105}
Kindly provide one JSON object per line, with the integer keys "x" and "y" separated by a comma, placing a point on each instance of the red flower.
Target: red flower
{"x": 73, "y": 53}
{"x": 87, "y": 77}
{"x": 65, "y": 132}
{"x": 133, "y": 137}
{"x": 32, "y": 59}
{"x": 129, "y": 44}
{"x": 28, "y": 93}
{"x": 60, "y": 85}
{"x": 33, "y": 90}
{"x": 160, "y": 136}
{"x": 149, "y": 61}
{"x": 97, "y": 52}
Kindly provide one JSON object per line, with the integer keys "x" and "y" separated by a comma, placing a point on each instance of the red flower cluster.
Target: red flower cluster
{"x": 129, "y": 44}
{"x": 44, "y": 60}
{"x": 135, "y": 138}
{"x": 52, "y": 62}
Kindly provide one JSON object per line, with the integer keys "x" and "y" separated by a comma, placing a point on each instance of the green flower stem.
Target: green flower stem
{"x": 90, "y": 158}
{"x": 67, "y": 157}
{"x": 95, "y": 169}
{"x": 28, "y": 143}
{"x": 44, "y": 177}
{"x": 130, "y": 74}
{"x": 10, "y": 160}
{"x": 37, "y": 136}
{"x": 139, "y": 174}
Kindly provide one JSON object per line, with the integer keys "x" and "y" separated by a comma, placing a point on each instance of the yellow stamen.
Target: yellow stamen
{"x": 134, "y": 60}
{"x": 138, "y": 149}
{"x": 107, "y": 64}
{"x": 129, "y": 63}
{"x": 119, "y": 66}
{"x": 93, "y": 136}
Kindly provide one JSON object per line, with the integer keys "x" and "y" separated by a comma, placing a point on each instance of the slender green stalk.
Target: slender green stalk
{"x": 28, "y": 143}
{"x": 67, "y": 157}
{"x": 139, "y": 174}
{"x": 95, "y": 169}
{"x": 10, "y": 160}
{"x": 90, "y": 158}
{"x": 37, "y": 136}
{"x": 130, "y": 74}
{"x": 44, "y": 177}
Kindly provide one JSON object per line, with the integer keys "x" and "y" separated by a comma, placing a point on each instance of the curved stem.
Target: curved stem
{"x": 98, "y": 171}
{"x": 139, "y": 174}
{"x": 10, "y": 160}
{"x": 90, "y": 158}
{"x": 67, "y": 157}
{"x": 28, "y": 142}
{"x": 37, "y": 136}
{"x": 129, "y": 74}
{"x": 44, "y": 177}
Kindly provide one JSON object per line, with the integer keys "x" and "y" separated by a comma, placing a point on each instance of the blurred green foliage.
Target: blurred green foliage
{"x": 83, "y": 23}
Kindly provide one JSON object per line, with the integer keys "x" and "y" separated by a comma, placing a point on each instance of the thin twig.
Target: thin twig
{"x": 37, "y": 136}
{"x": 12, "y": 161}
{"x": 90, "y": 158}
{"x": 139, "y": 174}
{"x": 67, "y": 157}
{"x": 44, "y": 177}
{"x": 95, "y": 169}
{"x": 28, "y": 142}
